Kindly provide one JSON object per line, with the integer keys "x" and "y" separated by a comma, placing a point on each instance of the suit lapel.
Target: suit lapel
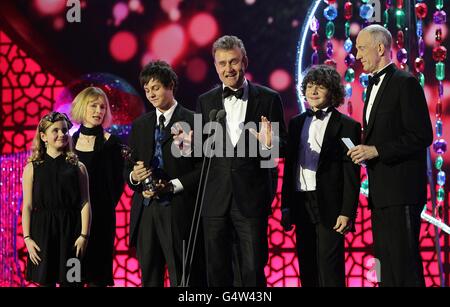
{"x": 298, "y": 133}
{"x": 378, "y": 98}
{"x": 252, "y": 104}
{"x": 176, "y": 117}
{"x": 330, "y": 134}
{"x": 149, "y": 137}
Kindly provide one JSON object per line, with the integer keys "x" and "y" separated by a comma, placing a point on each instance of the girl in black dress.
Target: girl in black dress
{"x": 56, "y": 209}
{"x": 101, "y": 153}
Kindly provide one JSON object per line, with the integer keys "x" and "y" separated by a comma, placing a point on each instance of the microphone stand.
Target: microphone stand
{"x": 214, "y": 115}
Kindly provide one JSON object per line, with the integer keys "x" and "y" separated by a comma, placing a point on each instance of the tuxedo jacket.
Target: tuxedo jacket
{"x": 337, "y": 177}
{"x": 399, "y": 127}
{"x": 186, "y": 169}
{"x": 243, "y": 178}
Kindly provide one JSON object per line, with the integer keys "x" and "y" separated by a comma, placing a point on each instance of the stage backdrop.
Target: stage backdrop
{"x": 45, "y": 60}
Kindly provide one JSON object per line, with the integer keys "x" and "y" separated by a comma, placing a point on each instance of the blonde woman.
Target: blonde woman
{"x": 56, "y": 208}
{"x": 101, "y": 153}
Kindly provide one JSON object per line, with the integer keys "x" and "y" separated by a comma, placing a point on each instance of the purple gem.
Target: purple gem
{"x": 421, "y": 47}
{"x": 388, "y": 3}
{"x": 330, "y": 52}
{"x": 329, "y": 44}
{"x": 402, "y": 55}
{"x": 315, "y": 58}
{"x": 440, "y": 146}
{"x": 349, "y": 60}
{"x": 441, "y": 89}
{"x": 314, "y": 25}
{"x": 439, "y": 17}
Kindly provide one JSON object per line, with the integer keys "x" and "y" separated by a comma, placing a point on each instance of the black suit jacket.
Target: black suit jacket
{"x": 242, "y": 177}
{"x": 337, "y": 177}
{"x": 185, "y": 169}
{"x": 400, "y": 128}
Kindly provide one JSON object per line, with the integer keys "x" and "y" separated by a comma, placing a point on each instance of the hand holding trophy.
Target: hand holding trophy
{"x": 140, "y": 172}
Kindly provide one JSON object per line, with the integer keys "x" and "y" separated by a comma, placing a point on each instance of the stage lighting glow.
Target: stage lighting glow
{"x": 171, "y": 8}
{"x": 50, "y": 7}
{"x": 196, "y": 70}
{"x": 168, "y": 43}
{"x": 203, "y": 29}
{"x": 280, "y": 79}
{"x": 120, "y": 13}
{"x": 123, "y": 46}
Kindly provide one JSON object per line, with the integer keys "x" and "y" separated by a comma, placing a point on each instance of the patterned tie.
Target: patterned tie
{"x": 159, "y": 136}
{"x": 157, "y": 161}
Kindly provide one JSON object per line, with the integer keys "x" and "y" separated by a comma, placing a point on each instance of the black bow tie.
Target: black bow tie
{"x": 319, "y": 114}
{"x": 375, "y": 79}
{"x": 229, "y": 92}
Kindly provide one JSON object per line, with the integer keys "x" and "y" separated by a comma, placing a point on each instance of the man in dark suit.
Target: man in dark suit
{"x": 238, "y": 191}
{"x": 321, "y": 184}
{"x": 397, "y": 132}
{"x": 161, "y": 218}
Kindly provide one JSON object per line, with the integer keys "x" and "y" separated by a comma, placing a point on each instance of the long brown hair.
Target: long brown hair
{"x": 38, "y": 146}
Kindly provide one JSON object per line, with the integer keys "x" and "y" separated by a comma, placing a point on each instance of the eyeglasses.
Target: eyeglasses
{"x": 57, "y": 116}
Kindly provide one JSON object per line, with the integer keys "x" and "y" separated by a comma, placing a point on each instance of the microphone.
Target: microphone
{"x": 214, "y": 116}
{"x": 220, "y": 115}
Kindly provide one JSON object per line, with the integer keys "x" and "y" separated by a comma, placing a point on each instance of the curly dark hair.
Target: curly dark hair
{"x": 161, "y": 71}
{"x": 327, "y": 76}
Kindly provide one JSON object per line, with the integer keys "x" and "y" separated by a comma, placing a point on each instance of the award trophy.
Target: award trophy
{"x": 149, "y": 184}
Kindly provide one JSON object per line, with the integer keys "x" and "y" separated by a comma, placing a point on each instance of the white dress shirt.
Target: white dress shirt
{"x": 373, "y": 94}
{"x": 236, "y": 110}
{"x": 310, "y": 146}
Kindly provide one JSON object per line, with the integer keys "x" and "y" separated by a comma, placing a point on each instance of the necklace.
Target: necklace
{"x": 89, "y": 139}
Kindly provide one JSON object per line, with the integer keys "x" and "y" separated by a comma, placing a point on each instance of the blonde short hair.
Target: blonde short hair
{"x": 81, "y": 101}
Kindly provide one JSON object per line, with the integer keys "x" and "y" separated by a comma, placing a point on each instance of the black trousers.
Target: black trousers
{"x": 247, "y": 236}
{"x": 320, "y": 249}
{"x": 155, "y": 247}
{"x": 396, "y": 232}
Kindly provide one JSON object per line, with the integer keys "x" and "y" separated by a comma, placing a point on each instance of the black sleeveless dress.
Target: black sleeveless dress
{"x": 105, "y": 169}
{"x": 55, "y": 218}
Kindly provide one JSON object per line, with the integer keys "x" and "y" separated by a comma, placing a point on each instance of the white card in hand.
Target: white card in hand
{"x": 348, "y": 143}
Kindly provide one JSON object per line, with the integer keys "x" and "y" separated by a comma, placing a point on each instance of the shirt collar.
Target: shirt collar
{"x": 167, "y": 114}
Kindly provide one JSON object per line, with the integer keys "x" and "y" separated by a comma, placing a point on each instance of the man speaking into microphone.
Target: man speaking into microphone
{"x": 238, "y": 190}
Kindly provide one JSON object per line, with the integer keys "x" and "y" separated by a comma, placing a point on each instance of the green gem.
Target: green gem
{"x": 421, "y": 79}
{"x": 329, "y": 29}
{"x": 350, "y": 75}
{"x": 400, "y": 18}
{"x": 439, "y": 162}
{"x": 365, "y": 184}
{"x": 386, "y": 18}
{"x": 440, "y": 194}
{"x": 440, "y": 71}
{"x": 364, "y": 1}
{"x": 347, "y": 29}
{"x": 439, "y": 4}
